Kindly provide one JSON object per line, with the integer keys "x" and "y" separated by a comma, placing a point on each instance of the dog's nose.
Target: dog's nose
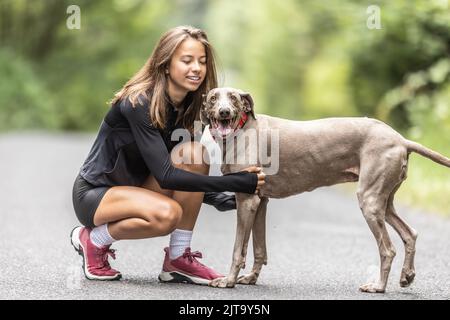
{"x": 224, "y": 112}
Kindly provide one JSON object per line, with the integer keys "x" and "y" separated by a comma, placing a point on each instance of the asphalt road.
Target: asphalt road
{"x": 319, "y": 246}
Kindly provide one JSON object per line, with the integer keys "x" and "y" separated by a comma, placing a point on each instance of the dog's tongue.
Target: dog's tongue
{"x": 224, "y": 130}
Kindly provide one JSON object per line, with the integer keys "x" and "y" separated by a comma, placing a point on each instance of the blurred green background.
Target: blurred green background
{"x": 299, "y": 59}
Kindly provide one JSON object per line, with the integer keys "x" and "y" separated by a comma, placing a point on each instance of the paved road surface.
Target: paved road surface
{"x": 319, "y": 246}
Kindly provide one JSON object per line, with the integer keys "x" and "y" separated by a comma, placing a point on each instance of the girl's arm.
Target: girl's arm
{"x": 157, "y": 159}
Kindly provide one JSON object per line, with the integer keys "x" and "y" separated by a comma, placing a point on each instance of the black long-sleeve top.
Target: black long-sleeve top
{"x": 128, "y": 148}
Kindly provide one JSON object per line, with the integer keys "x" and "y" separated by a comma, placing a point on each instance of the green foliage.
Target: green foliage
{"x": 301, "y": 59}
{"x": 415, "y": 36}
{"x": 79, "y": 70}
{"x": 25, "y": 102}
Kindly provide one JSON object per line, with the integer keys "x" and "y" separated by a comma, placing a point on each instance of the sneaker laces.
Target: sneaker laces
{"x": 102, "y": 257}
{"x": 191, "y": 256}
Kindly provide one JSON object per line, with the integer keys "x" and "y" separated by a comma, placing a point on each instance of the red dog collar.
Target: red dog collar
{"x": 242, "y": 121}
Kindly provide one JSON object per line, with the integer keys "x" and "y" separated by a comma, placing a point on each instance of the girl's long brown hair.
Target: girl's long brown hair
{"x": 151, "y": 80}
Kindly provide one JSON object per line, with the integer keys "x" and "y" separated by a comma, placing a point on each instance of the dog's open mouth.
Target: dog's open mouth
{"x": 224, "y": 127}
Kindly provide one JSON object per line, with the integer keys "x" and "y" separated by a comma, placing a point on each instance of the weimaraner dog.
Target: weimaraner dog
{"x": 313, "y": 154}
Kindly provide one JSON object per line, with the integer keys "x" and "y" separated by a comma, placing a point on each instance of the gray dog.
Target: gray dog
{"x": 313, "y": 154}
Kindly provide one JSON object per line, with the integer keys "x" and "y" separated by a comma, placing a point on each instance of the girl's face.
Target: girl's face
{"x": 188, "y": 66}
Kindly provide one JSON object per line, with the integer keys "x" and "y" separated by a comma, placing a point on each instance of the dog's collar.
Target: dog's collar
{"x": 242, "y": 122}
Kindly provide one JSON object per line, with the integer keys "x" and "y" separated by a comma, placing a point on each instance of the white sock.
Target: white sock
{"x": 179, "y": 241}
{"x": 100, "y": 236}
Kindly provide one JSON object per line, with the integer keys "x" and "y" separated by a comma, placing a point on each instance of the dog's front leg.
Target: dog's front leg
{"x": 259, "y": 245}
{"x": 247, "y": 206}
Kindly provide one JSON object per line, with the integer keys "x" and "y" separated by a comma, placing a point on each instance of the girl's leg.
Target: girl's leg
{"x": 190, "y": 157}
{"x": 185, "y": 156}
{"x": 137, "y": 213}
{"x": 180, "y": 264}
{"x": 123, "y": 213}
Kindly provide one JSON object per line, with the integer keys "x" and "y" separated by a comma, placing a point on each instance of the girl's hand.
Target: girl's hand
{"x": 261, "y": 176}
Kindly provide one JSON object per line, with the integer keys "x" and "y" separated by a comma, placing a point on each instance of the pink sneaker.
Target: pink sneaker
{"x": 95, "y": 260}
{"x": 186, "y": 269}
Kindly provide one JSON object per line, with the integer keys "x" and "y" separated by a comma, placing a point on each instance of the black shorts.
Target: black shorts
{"x": 86, "y": 199}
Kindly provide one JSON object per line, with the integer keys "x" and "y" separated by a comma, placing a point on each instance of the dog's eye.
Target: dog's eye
{"x": 233, "y": 98}
{"x": 212, "y": 99}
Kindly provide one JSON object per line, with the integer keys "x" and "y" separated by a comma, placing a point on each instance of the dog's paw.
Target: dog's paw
{"x": 407, "y": 278}
{"x": 250, "y": 278}
{"x": 222, "y": 283}
{"x": 372, "y": 288}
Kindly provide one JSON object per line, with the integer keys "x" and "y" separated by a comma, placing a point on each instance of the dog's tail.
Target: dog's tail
{"x": 428, "y": 153}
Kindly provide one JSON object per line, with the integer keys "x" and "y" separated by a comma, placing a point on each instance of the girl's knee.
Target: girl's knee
{"x": 169, "y": 217}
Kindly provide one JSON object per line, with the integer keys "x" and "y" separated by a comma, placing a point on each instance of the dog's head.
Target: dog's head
{"x": 224, "y": 108}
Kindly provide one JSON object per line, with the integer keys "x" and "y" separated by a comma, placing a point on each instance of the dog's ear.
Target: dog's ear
{"x": 248, "y": 103}
{"x": 203, "y": 115}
